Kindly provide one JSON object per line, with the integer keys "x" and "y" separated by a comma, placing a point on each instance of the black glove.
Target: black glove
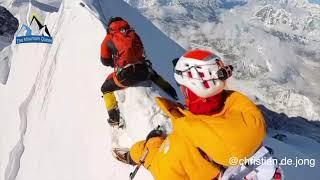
{"x": 156, "y": 133}
{"x": 107, "y": 62}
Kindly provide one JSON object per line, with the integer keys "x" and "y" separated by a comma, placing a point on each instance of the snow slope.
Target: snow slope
{"x": 292, "y": 149}
{"x": 53, "y": 122}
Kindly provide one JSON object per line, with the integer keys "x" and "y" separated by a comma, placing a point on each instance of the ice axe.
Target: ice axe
{"x": 154, "y": 133}
{"x": 141, "y": 161}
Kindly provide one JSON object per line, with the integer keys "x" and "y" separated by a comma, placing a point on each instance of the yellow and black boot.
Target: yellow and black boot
{"x": 113, "y": 110}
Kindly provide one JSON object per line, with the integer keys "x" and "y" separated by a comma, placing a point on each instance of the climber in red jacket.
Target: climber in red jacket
{"x": 123, "y": 50}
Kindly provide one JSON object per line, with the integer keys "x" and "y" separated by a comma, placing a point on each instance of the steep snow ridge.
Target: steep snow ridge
{"x": 64, "y": 134}
{"x": 16, "y": 153}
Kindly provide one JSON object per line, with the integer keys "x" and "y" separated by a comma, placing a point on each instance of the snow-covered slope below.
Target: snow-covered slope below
{"x": 274, "y": 46}
{"x": 297, "y": 149}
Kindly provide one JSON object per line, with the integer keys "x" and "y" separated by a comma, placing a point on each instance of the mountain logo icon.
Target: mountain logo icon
{"x": 26, "y": 34}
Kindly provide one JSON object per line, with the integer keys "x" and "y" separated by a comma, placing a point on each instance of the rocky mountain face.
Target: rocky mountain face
{"x": 8, "y": 27}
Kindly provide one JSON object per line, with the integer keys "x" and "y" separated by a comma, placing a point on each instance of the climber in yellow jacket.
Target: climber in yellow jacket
{"x": 214, "y": 127}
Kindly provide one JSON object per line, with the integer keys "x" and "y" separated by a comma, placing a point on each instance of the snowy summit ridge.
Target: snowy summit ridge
{"x": 54, "y": 120}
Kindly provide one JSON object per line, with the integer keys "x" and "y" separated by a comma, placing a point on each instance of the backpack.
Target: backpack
{"x": 126, "y": 47}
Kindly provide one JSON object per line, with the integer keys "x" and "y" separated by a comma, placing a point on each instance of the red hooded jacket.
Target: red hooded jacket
{"x": 121, "y": 46}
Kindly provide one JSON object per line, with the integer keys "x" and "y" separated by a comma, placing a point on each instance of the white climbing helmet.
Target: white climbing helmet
{"x": 197, "y": 71}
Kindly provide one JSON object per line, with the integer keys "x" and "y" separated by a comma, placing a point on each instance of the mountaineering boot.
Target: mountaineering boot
{"x": 113, "y": 110}
{"x": 114, "y": 117}
{"x": 123, "y": 155}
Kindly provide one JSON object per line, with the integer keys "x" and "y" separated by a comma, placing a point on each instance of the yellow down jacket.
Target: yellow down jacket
{"x": 200, "y": 144}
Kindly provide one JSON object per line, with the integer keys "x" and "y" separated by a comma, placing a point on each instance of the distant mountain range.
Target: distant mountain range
{"x": 274, "y": 45}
